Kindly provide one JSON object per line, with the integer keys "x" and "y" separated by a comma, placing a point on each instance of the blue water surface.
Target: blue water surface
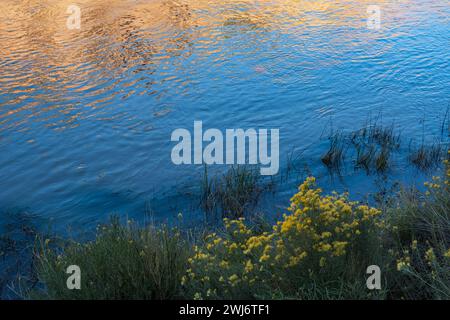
{"x": 86, "y": 115}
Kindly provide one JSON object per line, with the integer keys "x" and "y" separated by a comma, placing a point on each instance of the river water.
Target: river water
{"x": 86, "y": 114}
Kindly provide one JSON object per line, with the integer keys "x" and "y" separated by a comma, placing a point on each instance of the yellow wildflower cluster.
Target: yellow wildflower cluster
{"x": 437, "y": 183}
{"x": 447, "y": 168}
{"x": 403, "y": 263}
{"x": 318, "y": 232}
{"x": 429, "y": 255}
{"x": 447, "y": 254}
{"x": 428, "y": 259}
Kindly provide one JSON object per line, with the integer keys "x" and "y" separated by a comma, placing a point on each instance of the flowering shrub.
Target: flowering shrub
{"x": 447, "y": 171}
{"x": 324, "y": 238}
{"x": 423, "y": 251}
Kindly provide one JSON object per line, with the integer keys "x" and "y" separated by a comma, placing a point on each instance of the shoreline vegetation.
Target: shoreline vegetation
{"x": 372, "y": 147}
{"x": 320, "y": 249}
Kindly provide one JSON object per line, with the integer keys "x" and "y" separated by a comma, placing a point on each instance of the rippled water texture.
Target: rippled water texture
{"x": 86, "y": 115}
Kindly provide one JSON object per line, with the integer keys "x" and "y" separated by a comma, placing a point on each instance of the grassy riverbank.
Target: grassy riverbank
{"x": 320, "y": 249}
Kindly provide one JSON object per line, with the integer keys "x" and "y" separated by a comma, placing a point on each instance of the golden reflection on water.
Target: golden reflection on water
{"x": 42, "y": 62}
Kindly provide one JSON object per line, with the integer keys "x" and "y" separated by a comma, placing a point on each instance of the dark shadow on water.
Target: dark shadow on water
{"x": 18, "y": 231}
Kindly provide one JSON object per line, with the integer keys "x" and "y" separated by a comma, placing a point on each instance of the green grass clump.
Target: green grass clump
{"x": 232, "y": 194}
{"x": 374, "y": 145}
{"x": 123, "y": 262}
{"x": 426, "y": 157}
{"x": 382, "y": 160}
{"x": 420, "y": 238}
{"x": 334, "y": 157}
